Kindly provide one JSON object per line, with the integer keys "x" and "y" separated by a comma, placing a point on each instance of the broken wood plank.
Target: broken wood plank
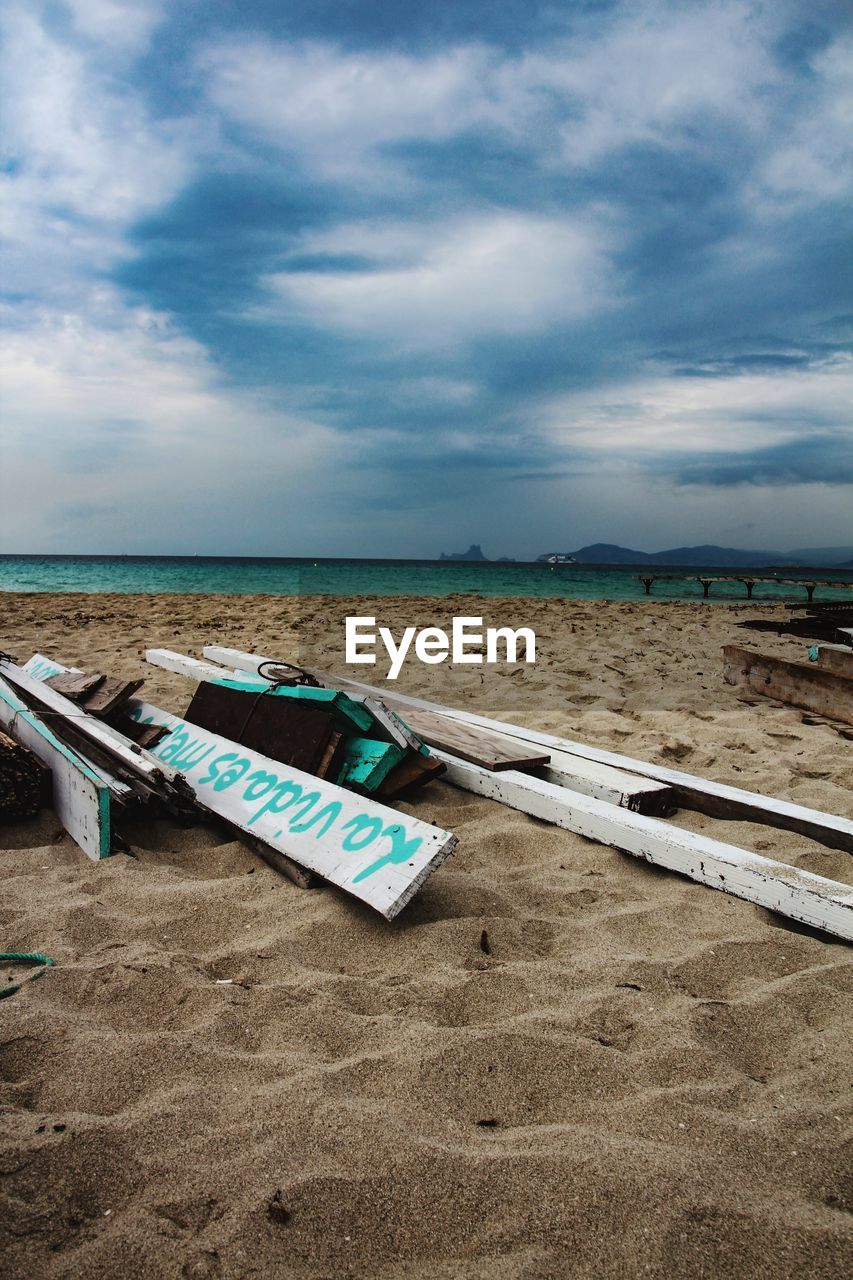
{"x": 412, "y": 773}
{"x": 80, "y": 799}
{"x": 111, "y": 696}
{"x": 73, "y": 685}
{"x": 628, "y": 791}
{"x": 375, "y": 853}
{"x": 104, "y": 744}
{"x": 717, "y": 799}
{"x": 798, "y": 684}
{"x": 800, "y": 895}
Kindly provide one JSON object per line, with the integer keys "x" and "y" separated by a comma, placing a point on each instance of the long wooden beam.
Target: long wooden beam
{"x": 716, "y": 799}
{"x": 798, "y": 683}
{"x": 81, "y": 800}
{"x": 617, "y": 786}
{"x": 837, "y": 658}
{"x": 800, "y": 895}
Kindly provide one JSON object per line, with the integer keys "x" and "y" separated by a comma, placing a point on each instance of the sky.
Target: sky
{"x": 351, "y": 277}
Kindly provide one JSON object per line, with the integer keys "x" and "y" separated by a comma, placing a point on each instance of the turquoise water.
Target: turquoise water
{"x": 232, "y": 576}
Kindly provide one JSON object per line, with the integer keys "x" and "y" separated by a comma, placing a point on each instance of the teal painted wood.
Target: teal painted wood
{"x": 81, "y": 799}
{"x": 367, "y": 763}
{"x": 352, "y": 715}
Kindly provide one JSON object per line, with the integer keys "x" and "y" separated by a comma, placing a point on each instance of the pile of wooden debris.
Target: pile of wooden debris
{"x": 304, "y": 766}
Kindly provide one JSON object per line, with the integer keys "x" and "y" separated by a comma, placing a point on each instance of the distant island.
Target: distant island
{"x": 474, "y": 552}
{"x": 707, "y": 555}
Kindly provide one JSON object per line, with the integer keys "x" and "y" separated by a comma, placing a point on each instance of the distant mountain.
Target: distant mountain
{"x": 838, "y": 556}
{"x": 474, "y": 552}
{"x": 608, "y": 553}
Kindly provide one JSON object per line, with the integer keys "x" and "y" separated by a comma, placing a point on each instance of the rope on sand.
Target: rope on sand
{"x": 27, "y": 958}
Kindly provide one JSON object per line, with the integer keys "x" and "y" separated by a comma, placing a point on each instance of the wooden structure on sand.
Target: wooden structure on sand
{"x": 748, "y": 580}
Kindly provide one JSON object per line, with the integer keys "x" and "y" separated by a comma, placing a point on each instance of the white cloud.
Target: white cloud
{"x": 688, "y": 76}
{"x": 121, "y": 414}
{"x": 813, "y": 159}
{"x": 719, "y": 414}
{"x": 335, "y": 108}
{"x": 433, "y": 285}
{"x": 124, "y": 25}
{"x": 81, "y": 158}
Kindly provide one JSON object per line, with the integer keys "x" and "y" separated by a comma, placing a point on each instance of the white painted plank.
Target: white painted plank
{"x": 183, "y": 665}
{"x": 813, "y": 900}
{"x": 81, "y": 800}
{"x": 628, "y": 791}
{"x": 41, "y": 668}
{"x": 238, "y": 659}
{"x": 376, "y": 853}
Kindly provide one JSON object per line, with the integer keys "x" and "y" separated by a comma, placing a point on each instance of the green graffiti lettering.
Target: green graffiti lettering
{"x": 284, "y": 795}
{"x": 232, "y": 774}
{"x": 401, "y": 850}
{"x": 327, "y": 815}
{"x": 371, "y": 827}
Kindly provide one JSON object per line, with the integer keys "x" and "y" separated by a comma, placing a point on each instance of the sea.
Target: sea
{"x": 231, "y": 575}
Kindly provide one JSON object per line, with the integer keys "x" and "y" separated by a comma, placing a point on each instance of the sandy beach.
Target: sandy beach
{"x": 635, "y": 1075}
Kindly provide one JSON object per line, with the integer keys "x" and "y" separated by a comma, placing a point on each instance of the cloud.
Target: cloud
{"x": 131, "y": 418}
{"x": 592, "y": 249}
{"x": 433, "y": 285}
{"x": 82, "y": 158}
{"x": 749, "y": 418}
{"x": 334, "y": 108}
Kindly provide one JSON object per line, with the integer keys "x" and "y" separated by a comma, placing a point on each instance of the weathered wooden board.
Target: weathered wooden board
{"x": 628, "y": 791}
{"x": 73, "y": 685}
{"x": 295, "y": 733}
{"x": 717, "y": 799}
{"x": 799, "y": 684}
{"x": 373, "y": 852}
{"x": 181, "y": 664}
{"x": 111, "y": 695}
{"x": 81, "y": 800}
{"x": 800, "y": 895}
{"x": 476, "y": 745}
{"x": 837, "y": 658}
{"x": 412, "y": 773}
